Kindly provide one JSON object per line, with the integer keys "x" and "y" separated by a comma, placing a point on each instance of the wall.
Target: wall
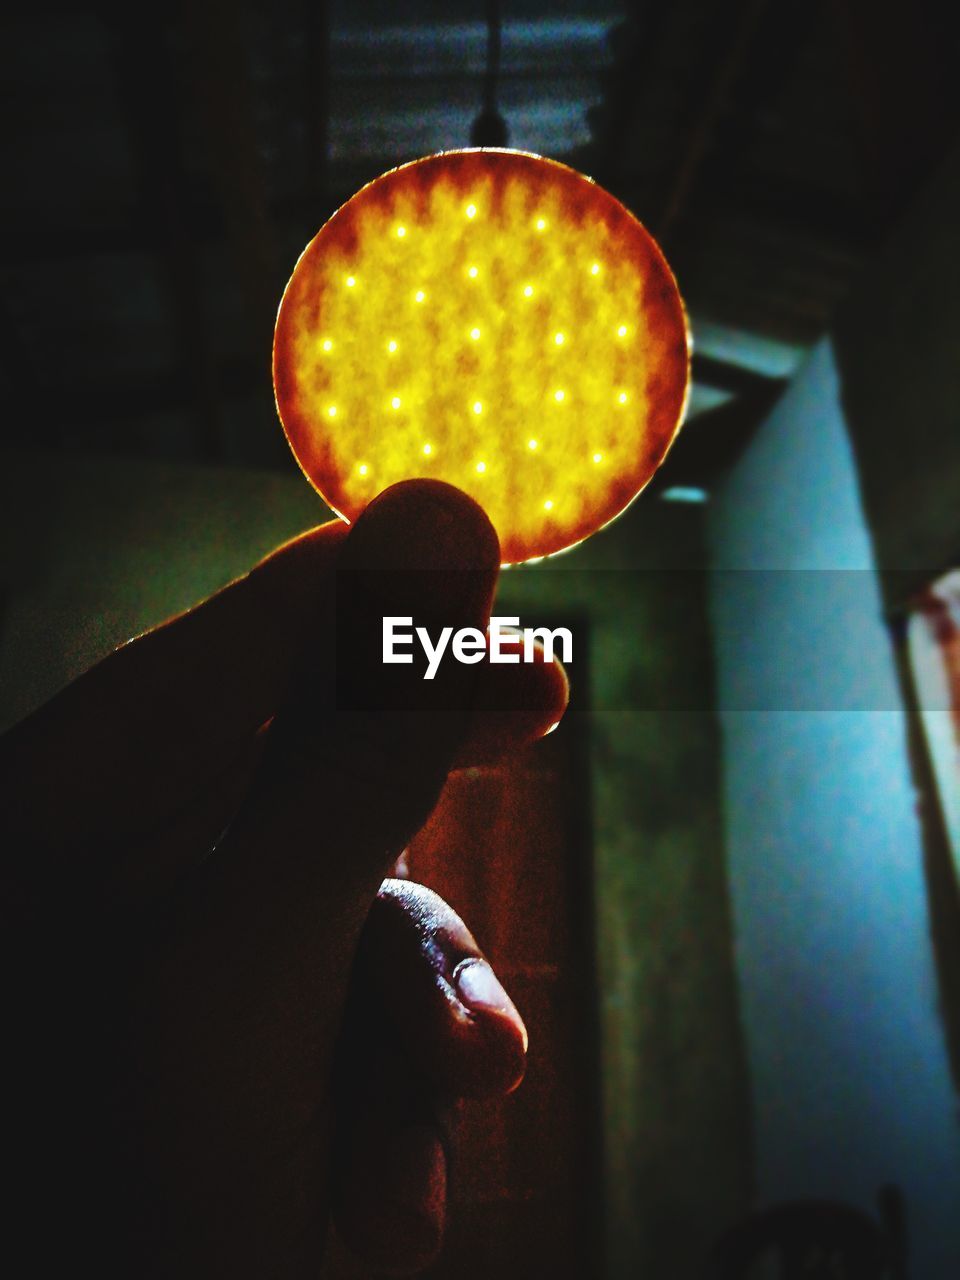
{"x": 851, "y": 1083}
{"x": 676, "y": 1134}
{"x": 95, "y": 550}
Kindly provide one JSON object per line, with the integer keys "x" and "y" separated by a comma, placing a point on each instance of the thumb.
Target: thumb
{"x": 356, "y": 759}
{"x": 362, "y": 749}
{"x": 383, "y": 734}
{"x": 245, "y": 981}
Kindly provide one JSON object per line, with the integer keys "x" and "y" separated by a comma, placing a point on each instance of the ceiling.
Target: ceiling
{"x": 166, "y": 173}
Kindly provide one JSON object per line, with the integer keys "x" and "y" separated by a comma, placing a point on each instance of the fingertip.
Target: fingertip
{"x": 453, "y": 1016}
{"x": 518, "y": 705}
{"x": 425, "y": 555}
{"x": 425, "y": 524}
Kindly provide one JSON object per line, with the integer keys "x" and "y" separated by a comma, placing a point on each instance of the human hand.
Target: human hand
{"x": 194, "y": 833}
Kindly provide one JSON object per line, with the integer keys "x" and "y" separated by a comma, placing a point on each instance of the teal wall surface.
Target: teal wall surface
{"x": 839, "y": 992}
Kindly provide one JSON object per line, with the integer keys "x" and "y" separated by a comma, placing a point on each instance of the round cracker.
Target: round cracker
{"x": 492, "y": 319}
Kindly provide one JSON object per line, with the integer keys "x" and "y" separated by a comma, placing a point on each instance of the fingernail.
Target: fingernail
{"x": 479, "y": 989}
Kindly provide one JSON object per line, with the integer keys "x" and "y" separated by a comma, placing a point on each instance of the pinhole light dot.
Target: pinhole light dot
{"x": 462, "y": 316}
{"x": 401, "y": 232}
{"x": 332, "y": 411}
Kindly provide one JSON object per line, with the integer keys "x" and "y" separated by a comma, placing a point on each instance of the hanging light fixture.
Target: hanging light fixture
{"x": 489, "y": 129}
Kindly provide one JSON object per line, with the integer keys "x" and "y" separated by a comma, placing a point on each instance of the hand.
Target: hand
{"x": 194, "y": 833}
{"x": 427, "y": 1023}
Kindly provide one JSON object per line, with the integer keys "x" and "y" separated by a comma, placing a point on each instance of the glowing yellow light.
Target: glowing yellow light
{"x": 401, "y": 232}
{"x": 332, "y": 411}
{"x": 471, "y": 210}
{"x": 622, "y": 398}
{"x": 479, "y": 396}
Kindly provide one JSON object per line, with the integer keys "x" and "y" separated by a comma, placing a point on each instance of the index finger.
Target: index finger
{"x": 126, "y": 746}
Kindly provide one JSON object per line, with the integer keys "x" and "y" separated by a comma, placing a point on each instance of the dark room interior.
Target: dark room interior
{"x": 725, "y": 894}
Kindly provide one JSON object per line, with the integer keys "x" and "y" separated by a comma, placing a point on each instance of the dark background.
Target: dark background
{"x": 165, "y": 165}
{"x": 163, "y": 168}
